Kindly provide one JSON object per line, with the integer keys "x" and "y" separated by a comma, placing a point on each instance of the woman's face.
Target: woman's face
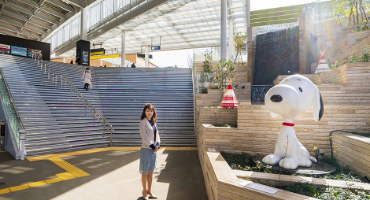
{"x": 148, "y": 113}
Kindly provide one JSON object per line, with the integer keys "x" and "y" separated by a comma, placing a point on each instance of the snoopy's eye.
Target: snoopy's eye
{"x": 300, "y": 89}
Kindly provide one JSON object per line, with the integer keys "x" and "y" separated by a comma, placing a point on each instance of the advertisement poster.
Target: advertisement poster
{"x": 36, "y": 52}
{"x": 19, "y": 51}
{"x": 85, "y": 58}
{"x": 4, "y": 49}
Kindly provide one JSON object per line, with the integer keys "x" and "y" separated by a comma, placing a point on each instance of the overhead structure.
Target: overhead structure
{"x": 189, "y": 24}
{"x": 181, "y": 24}
{"x": 35, "y": 19}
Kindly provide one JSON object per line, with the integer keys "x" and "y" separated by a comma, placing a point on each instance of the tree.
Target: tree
{"x": 240, "y": 40}
{"x": 207, "y": 67}
{"x": 353, "y": 10}
{"x": 225, "y": 71}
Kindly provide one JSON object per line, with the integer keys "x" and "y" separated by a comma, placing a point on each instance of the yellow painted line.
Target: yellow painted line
{"x": 75, "y": 153}
{"x": 65, "y": 176}
{"x": 126, "y": 148}
{"x": 180, "y": 148}
{"x": 36, "y": 184}
{"x": 4, "y": 191}
{"x": 89, "y": 151}
{"x": 72, "y": 172}
{"x": 71, "y": 169}
{"x": 20, "y": 187}
{"x": 53, "y": 180}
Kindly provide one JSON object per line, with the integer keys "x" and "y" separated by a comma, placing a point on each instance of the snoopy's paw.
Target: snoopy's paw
{"x": 271, "y": 159}
{"x": 313, "y": 159}
{"x": 288, "y": 163}
{"x": 304, "y": 162}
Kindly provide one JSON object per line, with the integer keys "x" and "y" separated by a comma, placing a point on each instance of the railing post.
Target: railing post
{"x": 94, "y": 116}
{"x": 103, "y": 128}
{"x": 22, "y": 139}
{"x": 111, "y": 132}
{"x": 85, "y": 109}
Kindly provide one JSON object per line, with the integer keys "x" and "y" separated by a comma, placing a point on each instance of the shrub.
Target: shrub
{"x": 204, "y": 91}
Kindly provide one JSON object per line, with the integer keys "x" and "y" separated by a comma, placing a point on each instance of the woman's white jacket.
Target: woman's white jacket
{"x": 87, "y": 77}
{"x": 147, "y": 134}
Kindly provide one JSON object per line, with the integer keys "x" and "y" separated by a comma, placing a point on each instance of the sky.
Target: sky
{"x": 179, "y": 57}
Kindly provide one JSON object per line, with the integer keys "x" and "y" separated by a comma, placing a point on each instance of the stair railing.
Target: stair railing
{"x": 18, "y": 127}
{"x": 64, "y": 81}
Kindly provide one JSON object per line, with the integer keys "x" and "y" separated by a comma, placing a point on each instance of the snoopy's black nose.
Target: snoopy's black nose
{"x": 276, "y": 98}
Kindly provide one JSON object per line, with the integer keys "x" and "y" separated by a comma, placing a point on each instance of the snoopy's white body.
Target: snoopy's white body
{"x": 293, "y": 96}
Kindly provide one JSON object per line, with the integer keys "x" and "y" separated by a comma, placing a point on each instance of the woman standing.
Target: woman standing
{"x": 87, "y": 78}
{"x": 150, "y": 145}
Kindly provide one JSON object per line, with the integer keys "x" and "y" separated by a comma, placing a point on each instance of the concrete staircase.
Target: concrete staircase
{"x": 55, "y": 121}
{"x": 51, "y": 115}
{"x": 121, "y": 93}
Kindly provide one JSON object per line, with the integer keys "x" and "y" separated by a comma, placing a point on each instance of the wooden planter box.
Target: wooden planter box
{"x": 352, "y": 150}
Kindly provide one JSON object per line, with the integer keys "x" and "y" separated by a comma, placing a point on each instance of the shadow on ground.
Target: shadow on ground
{"x": 181, "y": 173}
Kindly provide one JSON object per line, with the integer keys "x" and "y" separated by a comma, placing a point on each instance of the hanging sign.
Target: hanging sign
{"x": 19, "y": 51}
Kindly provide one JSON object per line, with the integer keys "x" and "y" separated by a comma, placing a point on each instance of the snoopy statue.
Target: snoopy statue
{"x": 293, "y": 96}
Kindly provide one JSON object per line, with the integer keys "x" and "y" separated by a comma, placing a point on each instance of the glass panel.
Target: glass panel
{"x": 10, "y": 111}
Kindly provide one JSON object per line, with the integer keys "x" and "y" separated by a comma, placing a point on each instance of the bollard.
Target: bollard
{"x": 22, "y": 139}
{"x": 3, "y": 145}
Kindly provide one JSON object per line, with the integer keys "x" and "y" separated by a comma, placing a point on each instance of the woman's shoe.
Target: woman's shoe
{"x": 145, "y": 196}
{"x": 152, "y": 196}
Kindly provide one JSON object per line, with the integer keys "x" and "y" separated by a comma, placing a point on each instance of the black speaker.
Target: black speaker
{"x": 83, "y": 52}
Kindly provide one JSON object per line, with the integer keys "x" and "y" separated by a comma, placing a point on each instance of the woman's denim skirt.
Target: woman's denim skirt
{"x": 148, "y": 161}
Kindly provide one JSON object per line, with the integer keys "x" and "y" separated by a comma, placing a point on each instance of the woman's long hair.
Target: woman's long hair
{"x": 150, "y": 107}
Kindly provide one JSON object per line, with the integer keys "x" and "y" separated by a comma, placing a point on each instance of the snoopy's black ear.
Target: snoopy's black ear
{"x": 321, "y": 113}
{"x": 318, "y": 105}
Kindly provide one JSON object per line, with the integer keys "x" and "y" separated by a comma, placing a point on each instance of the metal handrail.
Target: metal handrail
{"x": 13, "y": 104}
{"x": 80, "y": 96}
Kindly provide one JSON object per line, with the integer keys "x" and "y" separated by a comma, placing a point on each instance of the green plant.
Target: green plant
{"x": 207, "y": 67}
{"x": 204, "y": 91}
{"x": 365, "y": 56}
{"x": 353, "y": 10}
{"x": 225, "y": 125}
{"x": 225, "y": 70}
{"x": 336, "y": 65}
{"x": 244, "y": 161}
{"x": 362, "y": 28}
{"x": 216, "y": 87}
{"x": 353, "y": 59}
{"x": 240, "y": 41}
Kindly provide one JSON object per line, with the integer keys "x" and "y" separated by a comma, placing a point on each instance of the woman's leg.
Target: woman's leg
{"x": 150, "y": 180}
{"x": 143, "y": 182}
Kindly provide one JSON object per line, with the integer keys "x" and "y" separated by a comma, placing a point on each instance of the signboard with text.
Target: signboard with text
{"x": 19, "y": 51}
{"x": 4, "y": 49}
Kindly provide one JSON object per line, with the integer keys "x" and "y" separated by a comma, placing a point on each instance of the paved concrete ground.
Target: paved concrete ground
{"x": 113, "y": 175}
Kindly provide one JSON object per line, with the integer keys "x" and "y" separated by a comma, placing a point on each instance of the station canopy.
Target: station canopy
{"x": 174, "y": 24}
